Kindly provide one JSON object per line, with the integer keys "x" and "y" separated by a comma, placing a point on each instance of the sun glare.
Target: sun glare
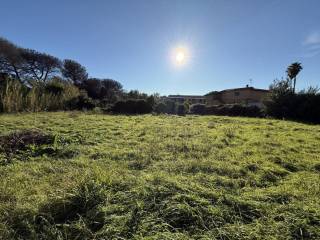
{"x": 180, "y": 56}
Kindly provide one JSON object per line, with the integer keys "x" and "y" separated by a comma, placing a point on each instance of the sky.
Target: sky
{"x": 230, "y": 43}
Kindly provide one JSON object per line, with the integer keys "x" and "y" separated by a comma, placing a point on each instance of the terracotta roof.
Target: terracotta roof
{"x": 237, "y": 89}
{"x": 251, "y": 88}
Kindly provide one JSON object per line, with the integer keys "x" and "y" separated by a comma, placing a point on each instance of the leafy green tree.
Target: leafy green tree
{"x": 74, "y": 72}
{"x": 103, "y": 89}
{"x": 279, "y": 101}
{"x": 135, "y": 94}
{"x": 39, "y": 66}
{"x": 11, "y": 60}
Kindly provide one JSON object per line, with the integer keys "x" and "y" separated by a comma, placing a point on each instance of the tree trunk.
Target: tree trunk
{"x": 294, "y": 84}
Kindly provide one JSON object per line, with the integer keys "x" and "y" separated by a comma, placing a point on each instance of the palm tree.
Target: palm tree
{"x": 292, "y": 72}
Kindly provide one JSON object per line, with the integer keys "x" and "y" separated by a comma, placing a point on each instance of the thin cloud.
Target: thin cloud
{"x": 313, "y": 38}
{"x": 314, "y": 47}
{"x": 311, "y": 53}
{"x": 312, "y": 44}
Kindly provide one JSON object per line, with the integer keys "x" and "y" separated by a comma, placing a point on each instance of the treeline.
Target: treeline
{"x": 35, "y": 81}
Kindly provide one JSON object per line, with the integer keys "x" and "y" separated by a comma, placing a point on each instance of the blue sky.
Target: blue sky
{"x": 230, "y": 41}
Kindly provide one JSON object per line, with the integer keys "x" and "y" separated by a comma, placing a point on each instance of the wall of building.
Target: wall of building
{"x": 241, "y": 96}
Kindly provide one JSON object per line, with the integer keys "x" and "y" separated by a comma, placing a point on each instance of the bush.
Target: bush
{"x": 80, "y": 103}
{"x": 181, "y": 109}
{"x": 234, "y": 110}
{"x": 278, "y": 103}
{"x": 198, "y": 109}
{"x": 132, "y": 107}
{"x": 54, "y": 88}
{"x": 39, "y": 98}
{"x": 160, "y": 108}
{"x": 283, "y": 103}
{"x": 168, "y": 106}
{"x": 171, "y": 107}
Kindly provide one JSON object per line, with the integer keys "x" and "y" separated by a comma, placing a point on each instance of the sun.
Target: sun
{"x": 180, "y": 56}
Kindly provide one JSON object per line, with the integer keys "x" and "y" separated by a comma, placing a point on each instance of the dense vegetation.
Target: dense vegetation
{"x": 35, "y": 81}
{"x": 227, "y": 110}
{"x": 87, "y": 176}
{"x": 283, "y": 103}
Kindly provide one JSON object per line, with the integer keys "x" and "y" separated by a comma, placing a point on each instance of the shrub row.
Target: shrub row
{"x": 132, "y": 106}
{"x": 227, "y": 110}
{"x": 285, "y": 104}
{"x": 301, "y": 107}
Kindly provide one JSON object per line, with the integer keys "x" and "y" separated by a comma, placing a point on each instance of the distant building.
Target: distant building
{"x": 191, "y": 99}
{"x": 248, "y": 95}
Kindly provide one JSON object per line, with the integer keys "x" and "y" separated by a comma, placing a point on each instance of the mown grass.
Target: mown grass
{"x": 161, "y": 177}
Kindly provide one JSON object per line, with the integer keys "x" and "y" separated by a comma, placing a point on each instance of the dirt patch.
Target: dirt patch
{"x": 20, "y": 141}
{"x": 22, "y": 145}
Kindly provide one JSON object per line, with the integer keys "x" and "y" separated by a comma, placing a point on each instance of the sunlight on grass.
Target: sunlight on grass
{"x": 161, "y": 177}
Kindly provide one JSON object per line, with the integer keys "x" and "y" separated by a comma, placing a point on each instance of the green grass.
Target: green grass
{"x": 162, "y": 177}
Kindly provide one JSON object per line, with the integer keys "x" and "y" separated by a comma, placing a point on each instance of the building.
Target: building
{"x": 248, "y": 95}
{"x": 191, "y": 99}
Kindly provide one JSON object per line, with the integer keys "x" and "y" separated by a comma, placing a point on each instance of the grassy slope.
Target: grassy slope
{"x": 164, "y": 177}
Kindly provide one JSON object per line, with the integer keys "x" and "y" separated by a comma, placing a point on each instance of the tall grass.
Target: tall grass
{"x": 12, "y": 96}
{"x": 15, "y": 97}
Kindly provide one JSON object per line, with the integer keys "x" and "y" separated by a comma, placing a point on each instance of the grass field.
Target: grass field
{"x": 160, "y": 177}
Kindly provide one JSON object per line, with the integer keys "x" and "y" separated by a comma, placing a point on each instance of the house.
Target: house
{"x": 191, "y": 99}
{"x": 248, "y": 95}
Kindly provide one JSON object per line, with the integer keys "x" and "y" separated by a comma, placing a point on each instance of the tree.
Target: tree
{"x": 106, "y": 89}
{"x": 135, "y": 94}
{"x": 92, "y": 87}
{"x": 111, "y": 90}
{"x": 280, "y": 100}
{"x": 10, "y": 59}
{"x": 74, "y": 71}
{"x": 39, "y": 66}
{"x": 283, "y": 103}
{"x": 292, "y": 72}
